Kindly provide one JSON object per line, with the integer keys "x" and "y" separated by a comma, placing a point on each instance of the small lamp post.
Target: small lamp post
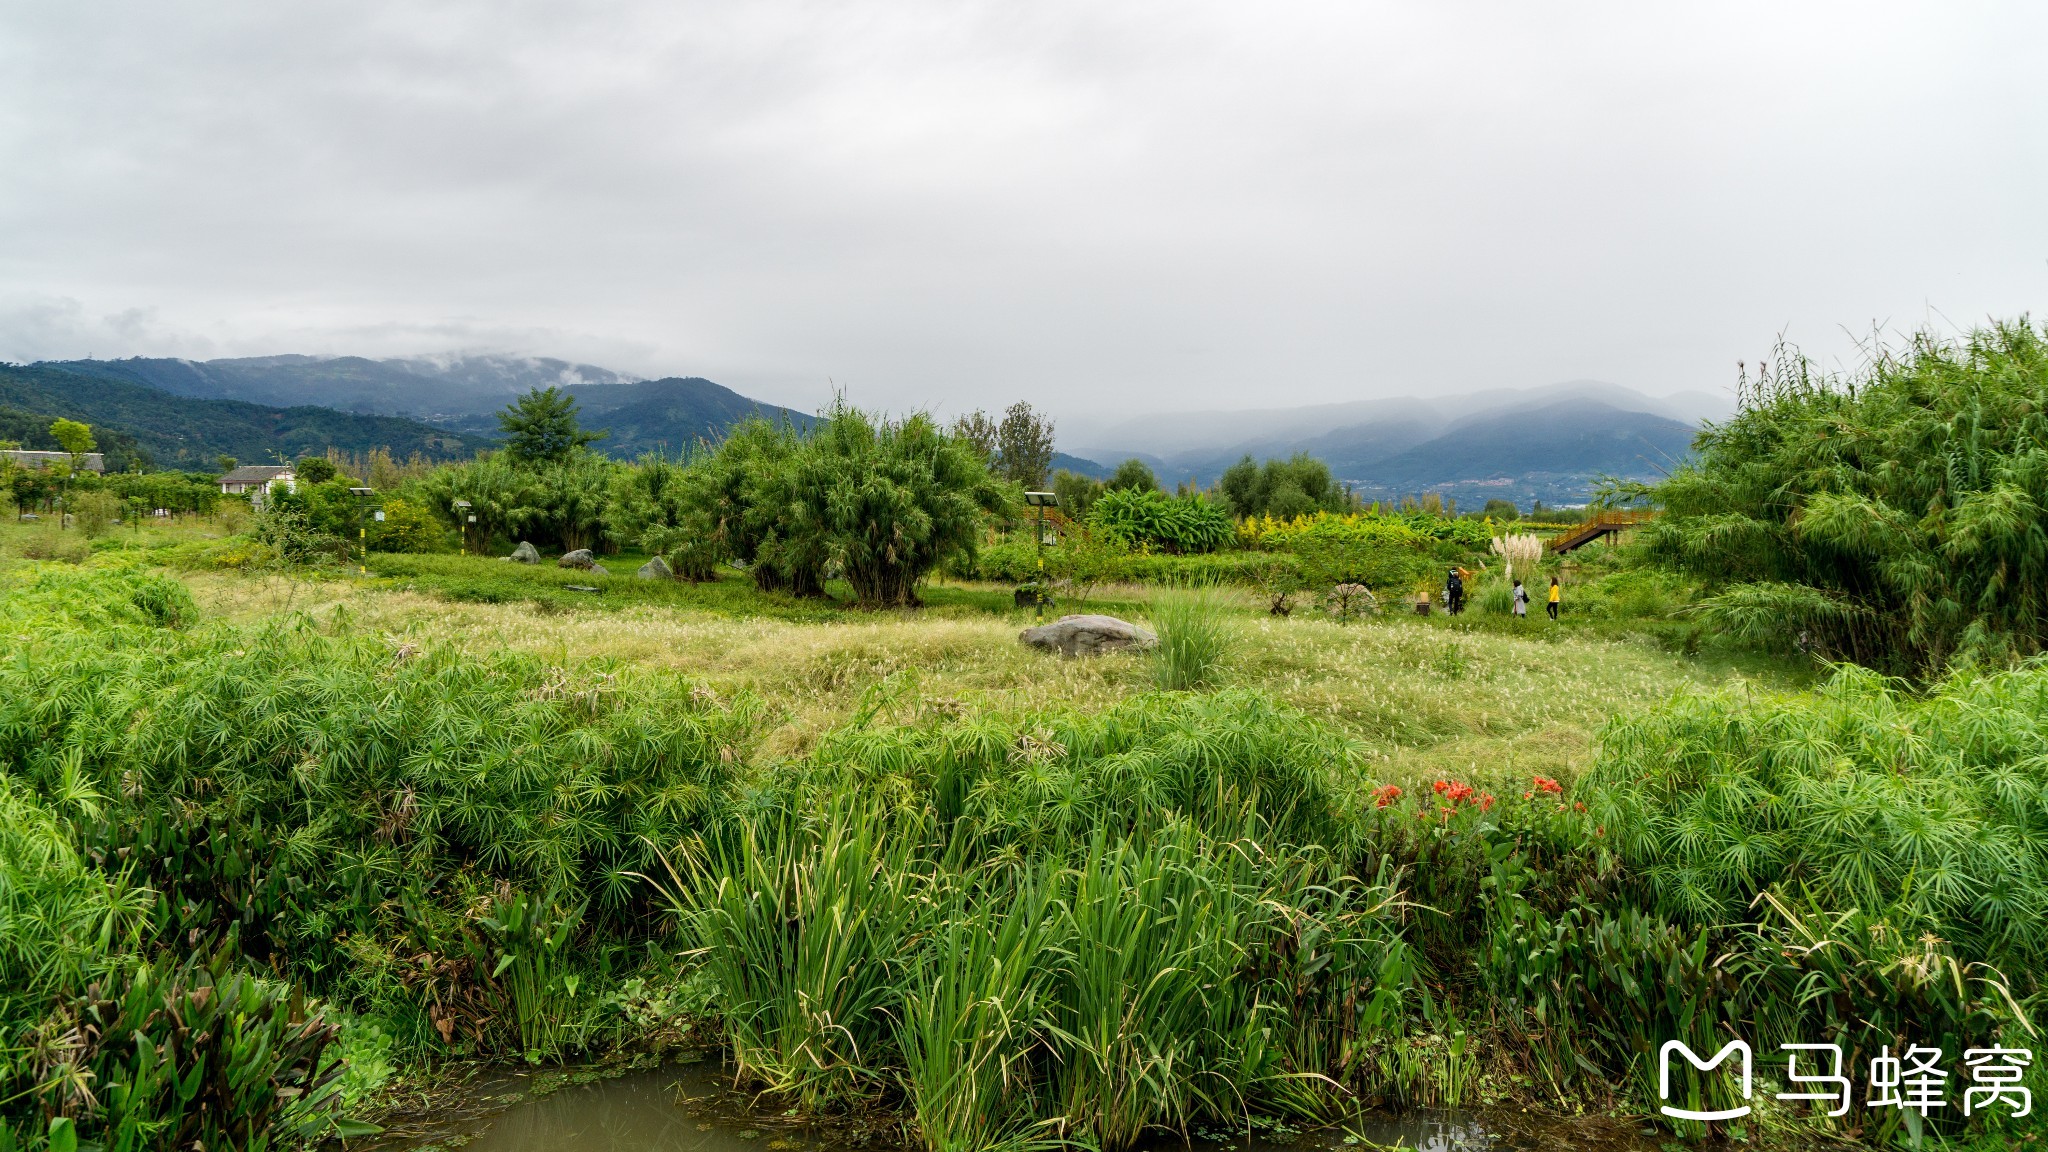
{"x": 363, "y": 497}
{"x": 468, "y": 518}
{"x": 1041, "y": 501}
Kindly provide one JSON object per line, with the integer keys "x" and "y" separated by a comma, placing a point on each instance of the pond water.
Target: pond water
{"x": 693, "y": 1108}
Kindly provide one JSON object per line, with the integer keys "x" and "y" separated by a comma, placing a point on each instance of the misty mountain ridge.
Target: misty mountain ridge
{"x": 462, "y": 393}
{"x": 1552, "y": 443}
{"x": 438, "y": 388}
{"x": 142, "y": 424}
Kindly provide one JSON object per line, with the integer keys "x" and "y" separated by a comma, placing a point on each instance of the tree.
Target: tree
{"x": 1282, "y": 489}
{"x": 73, "y": 437}
{"x": 1076, "y": 492}
{"x": 540, "y": 427}
{"x": 1024, "y": 446}
{"x": 1501, "y": 510}
{"x": 1133, "y": 474}
{"x": 315, "y": 469}
{"x": 226, "y": 464}
{"x": 979, "y": 432}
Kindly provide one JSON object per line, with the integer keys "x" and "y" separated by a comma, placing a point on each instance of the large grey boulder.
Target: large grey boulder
{"x": 581, "y": 558}
{"x": 525, "y": 554}
{"x": 655, "y": 569}
{"x": 1088, "y": 636}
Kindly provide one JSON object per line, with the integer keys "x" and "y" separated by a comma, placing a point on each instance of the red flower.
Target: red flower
{"x": 1385, "y": 796}
{"x": 1486, "y": 802}
{"x": 1441, "y": 785}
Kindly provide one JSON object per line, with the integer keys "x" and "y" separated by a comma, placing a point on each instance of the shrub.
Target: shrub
{"x": 1016, "y": 560}
{"x": 1362, "y": 548}
{"x": 1894, "y": 519}
{"x": 92, "y": 513}
{"x": 408, "y": 526}
{"x": 1143, "y": 518}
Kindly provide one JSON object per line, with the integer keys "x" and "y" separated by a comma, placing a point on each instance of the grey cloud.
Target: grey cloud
{"x": 1101, "y": 207}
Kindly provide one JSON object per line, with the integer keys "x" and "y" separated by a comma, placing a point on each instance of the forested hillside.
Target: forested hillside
{"x": 183, "y": 432}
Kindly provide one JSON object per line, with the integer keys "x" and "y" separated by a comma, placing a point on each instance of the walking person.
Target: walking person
{"x": 1556, "y": 594}
{"x": 1454, "y": 593}
{"x": 1521, "y": 601}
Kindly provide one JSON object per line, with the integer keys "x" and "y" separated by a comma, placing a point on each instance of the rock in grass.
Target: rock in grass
{"x": 655, "y": 569}
{"x": 1088, "y": 636}
{"x": 525, "y": 554}
{"x": 598, "y": 570}
{"x": 580, "y": 558}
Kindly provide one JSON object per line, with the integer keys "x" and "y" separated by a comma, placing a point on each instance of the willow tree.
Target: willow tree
{"x": 1894, "y": 518}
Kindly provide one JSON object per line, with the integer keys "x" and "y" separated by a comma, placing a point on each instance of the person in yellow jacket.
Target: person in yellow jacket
{"x": 1555, "y": 595}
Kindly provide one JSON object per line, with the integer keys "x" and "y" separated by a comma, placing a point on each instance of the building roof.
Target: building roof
{"x": 89, "y": 462}
{"x": 256, "y": 474}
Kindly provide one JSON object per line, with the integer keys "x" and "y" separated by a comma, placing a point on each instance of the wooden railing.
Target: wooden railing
{"x": 1603, "y": 523}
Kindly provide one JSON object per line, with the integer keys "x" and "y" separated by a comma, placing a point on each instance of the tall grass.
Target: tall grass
{"x": 976, "y": 1020}
{"x": 804, "y": 927}
{"x": 1194, "y": 636}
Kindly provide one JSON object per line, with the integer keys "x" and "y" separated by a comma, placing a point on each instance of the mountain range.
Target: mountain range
{"x": 137, "y": 423}
{"x": 1551, "y": 444}
{"x": 436, "y": 395}
{"x": 460, "y": 393}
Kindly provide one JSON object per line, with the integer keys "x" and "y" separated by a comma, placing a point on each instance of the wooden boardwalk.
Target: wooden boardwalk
{"x": 1606, "y": 523}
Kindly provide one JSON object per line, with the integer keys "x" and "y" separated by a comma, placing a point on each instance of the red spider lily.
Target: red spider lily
{"x": 1386, "y": 795}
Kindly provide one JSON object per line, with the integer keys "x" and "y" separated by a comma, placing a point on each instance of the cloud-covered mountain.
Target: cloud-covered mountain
{"x": 460, "y": 393}
{"x": 1544, "y": 443}
{"x": 437, "y": 388}
{"x": 184, "y": 431}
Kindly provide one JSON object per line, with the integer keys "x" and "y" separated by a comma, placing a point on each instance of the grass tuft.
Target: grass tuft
{"x": 1194, "y": 635}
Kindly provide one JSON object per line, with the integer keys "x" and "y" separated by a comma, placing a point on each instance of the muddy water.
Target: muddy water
{"x": 692, "y": 1108}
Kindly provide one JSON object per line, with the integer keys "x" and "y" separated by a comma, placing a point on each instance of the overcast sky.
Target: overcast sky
{"x": 1100, "y": 206}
